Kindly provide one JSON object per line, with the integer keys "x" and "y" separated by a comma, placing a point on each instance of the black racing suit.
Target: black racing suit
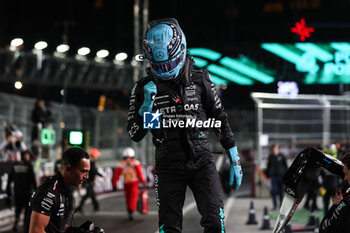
{"x": 23, "y": 177}
{"x": 54, "y": 199}
{"x": 183, "y": 155}
{"x": 337, "y": 219}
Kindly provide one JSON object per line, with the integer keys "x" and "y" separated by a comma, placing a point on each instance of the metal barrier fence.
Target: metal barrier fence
{"x": 107, "y": 128}
{"x": 299, "y": 122}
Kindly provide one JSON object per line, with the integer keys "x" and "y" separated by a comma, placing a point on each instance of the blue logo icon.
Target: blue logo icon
{"x": 151, "y": 120}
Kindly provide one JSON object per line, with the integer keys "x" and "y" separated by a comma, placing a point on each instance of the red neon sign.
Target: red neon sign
{"x": 302, "y": 30}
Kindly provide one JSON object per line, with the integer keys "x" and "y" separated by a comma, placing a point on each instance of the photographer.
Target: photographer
{"x": 52, "y": 202}
{"x": 337, "y": 219}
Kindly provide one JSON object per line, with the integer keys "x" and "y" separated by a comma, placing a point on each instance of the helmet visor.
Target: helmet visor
{"x": 166, "y": 66}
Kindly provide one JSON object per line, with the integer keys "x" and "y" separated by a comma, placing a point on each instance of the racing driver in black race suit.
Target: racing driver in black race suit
{"x": 180, "y": 104}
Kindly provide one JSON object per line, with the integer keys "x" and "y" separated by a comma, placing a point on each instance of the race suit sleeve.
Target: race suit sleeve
{"x": 337, "y": 218}
{"x": 214, "y": 109}
{"x": 43, "y": 201}
{"x": 116, "y": 176}
{"x": 135, "y": 121}
{"x": 139, "y": 172}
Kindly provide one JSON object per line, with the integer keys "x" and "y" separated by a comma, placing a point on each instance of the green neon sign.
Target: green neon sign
{"x": 206, "y": 53}
{"x": 318, "y": 63}
{"x": 227, "y": 69}
{"x": 282, "y": 51}
{"x": 75, "y": 137}
{"x": 48, "y": 136}
{"x": 326, "y": 63}
{"x": 247, "y": 70}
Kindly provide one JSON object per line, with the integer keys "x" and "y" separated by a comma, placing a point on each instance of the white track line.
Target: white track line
{"x": 102, "y": 196}
{"x": 228, "y": 206}
{"x": 108, "y": 195}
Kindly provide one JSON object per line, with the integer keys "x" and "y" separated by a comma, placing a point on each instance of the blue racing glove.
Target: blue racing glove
{"x": 236, "y": 173}
{"x": 150, "y": 92}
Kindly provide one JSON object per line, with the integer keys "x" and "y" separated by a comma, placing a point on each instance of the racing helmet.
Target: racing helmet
{"x": 128, "y": 153}
{"x": 164, "y": 45}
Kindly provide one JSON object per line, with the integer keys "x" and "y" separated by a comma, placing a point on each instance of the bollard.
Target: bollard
{"x": 251, "y": 216}
{"x": 266, "y": 220}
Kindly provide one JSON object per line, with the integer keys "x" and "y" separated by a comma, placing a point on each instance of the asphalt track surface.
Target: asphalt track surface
{"x": 112, "y": 216}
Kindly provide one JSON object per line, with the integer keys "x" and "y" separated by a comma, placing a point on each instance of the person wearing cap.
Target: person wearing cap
{"x": 89, "y": 184}
{"x": 131, "y": 170}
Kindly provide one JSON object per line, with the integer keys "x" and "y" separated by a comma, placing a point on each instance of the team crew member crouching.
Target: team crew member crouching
{"x": 337, "y": 219}
{"x": 52, "y": 202}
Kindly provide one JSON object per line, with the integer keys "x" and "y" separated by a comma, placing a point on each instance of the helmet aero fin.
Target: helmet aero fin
{"x": 164, "y": 45}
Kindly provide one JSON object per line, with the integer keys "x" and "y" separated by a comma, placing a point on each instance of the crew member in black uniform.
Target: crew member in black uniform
{"x": 337, "y": 219}
{"x": 189, "y": 106}
{"x": 52, "y": 202}
{"x": 23, "y": 177}
{"x": 276, "y": 168}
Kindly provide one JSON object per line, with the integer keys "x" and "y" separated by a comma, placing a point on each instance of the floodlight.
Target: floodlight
{"x": 83, "y": 51}
{"x": 102, "y": 53}
{"x": 16, "y": 42}
{"x": 62, "y": 48}
{"x": 121, "y": 56}
{"x": 40, "y": 45}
